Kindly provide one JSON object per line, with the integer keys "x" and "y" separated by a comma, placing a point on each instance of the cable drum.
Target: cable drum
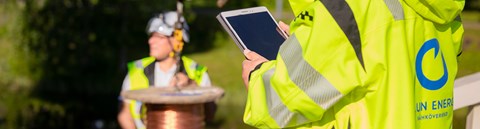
{"x": 169, "y": 108}
{"x": 175, "y": 116}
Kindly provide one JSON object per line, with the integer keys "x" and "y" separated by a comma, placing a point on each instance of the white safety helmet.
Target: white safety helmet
{"x": 163, "y": 23}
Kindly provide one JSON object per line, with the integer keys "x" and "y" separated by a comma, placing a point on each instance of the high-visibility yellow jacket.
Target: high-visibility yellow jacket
{"x": 361, "y": 64}
{"x": 141, "y": 72}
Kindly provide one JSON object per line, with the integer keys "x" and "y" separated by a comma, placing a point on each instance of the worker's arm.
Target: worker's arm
{"x": 315, "y": 68}
{"x": 124, "y": 118}
{"x": 290, "y": 91}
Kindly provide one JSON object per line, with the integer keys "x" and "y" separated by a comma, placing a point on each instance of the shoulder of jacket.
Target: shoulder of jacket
{"x": 188, "y": 61}
{"x": 140, "y": 63}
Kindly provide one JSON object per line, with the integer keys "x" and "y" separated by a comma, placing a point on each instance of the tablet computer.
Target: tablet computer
{"x": 254, "y": 29}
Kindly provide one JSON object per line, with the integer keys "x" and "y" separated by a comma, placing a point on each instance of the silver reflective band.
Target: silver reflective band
{"x": 306, "y": 77}
{"x": 138, "y": 121}
{"x": 395, "y": 8}
{"x": 139, "y": 64}
{"x": 277, "y": 110}
{"x": 193, "y": 66}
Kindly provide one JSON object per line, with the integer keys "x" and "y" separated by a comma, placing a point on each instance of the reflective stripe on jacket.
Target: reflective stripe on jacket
{"x": 370, "y": 64}
{"x": 141, "y": 75}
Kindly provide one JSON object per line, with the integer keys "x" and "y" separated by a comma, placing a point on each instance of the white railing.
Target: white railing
{"x": 467, "y": 94}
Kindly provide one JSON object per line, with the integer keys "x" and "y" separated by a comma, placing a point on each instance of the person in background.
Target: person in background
{"x": 160, "y": 69}
{"x": 359, "y": 64}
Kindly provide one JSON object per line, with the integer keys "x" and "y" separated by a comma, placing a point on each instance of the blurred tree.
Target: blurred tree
{"x": 84, "y": 46}
{"x": 71, "y": 56}
{"x": 472, "y": 5}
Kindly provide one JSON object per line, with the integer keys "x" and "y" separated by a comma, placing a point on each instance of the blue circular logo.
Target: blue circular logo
{"x": 424, "y": 81}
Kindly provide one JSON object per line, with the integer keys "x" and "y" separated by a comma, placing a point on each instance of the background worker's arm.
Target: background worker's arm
{"x": 124, "y": 118}
{"x": 315, "y": 68}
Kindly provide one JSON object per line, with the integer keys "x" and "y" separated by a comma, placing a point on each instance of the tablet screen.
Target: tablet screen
{"x": 258, "y": 32}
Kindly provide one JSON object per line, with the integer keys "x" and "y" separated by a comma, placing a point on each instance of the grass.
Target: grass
{"x": 224, "y": 67}
{"x": 471, "y": 16}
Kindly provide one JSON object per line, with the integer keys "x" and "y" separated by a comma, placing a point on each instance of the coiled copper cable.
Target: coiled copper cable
{"x": 175, "y": 116}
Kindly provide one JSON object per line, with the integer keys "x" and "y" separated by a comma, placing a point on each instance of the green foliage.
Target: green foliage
{"x": 468, "y": 61}
{"x": 64, "y": 60}
{"x": 17, "y": 77}
{"x": 271, "y": 4}
{"x": 472, "y": 5}
{"x": 459, "y": 118}
{"x": 23, "y": 111}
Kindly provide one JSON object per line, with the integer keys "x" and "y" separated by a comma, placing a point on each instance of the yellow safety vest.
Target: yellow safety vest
{"x": 141, "y": 72}
{"x": 361, "y": 64}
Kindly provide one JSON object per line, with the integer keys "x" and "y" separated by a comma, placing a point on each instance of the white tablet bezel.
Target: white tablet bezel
{"x": 222, "y": 17}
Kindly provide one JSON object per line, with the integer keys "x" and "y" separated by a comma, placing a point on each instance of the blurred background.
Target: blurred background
{"x": 62, "y": 62}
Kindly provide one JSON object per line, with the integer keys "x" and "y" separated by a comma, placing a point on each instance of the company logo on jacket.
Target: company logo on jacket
{"x": 427, "y": 83}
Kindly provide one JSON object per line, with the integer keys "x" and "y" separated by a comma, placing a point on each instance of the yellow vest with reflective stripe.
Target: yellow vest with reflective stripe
{"x": 371, "y": 64}
{"x": 139, "y": 80}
